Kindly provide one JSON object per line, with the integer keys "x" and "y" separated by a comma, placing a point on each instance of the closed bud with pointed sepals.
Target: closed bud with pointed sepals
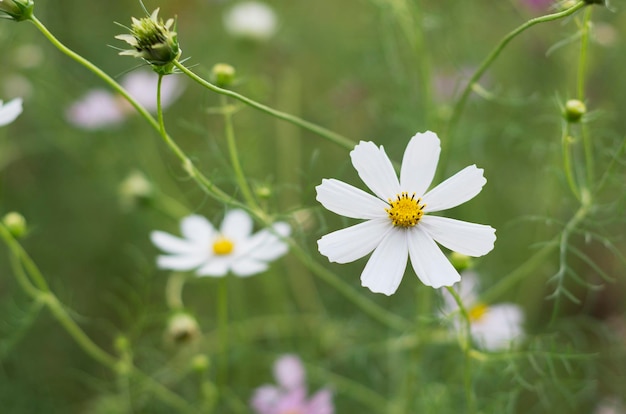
{"x": 154, "y": 41}
{"x": 17, "y": 10}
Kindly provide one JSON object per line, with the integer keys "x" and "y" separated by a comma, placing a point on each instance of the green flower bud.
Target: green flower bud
{"x": 574, "y": 110}
{"x": 460, "y": 261}
{"x": 182, "y": 328}
{"x": 154, "y": 41}
{"x": 200, "y": 363}
{"x": 16, "y": 224}
{"x": 17, "y": 10}
{"x": 223, "y": 75}
{"x": 135, "y": 191}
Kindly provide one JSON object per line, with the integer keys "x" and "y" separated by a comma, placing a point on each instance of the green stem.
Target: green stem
{"x": 371, "y": 308}
{"x": 466, "y": 346}
{"x": 187, "y": 164}
{"x": 234, "y": 155}
{"x": 566, "y": 141}
{"x": 321, "y": 131}
{"x": 460, "y": 104}
{"x": 174, "y": 291}
{"x": 582, "y": 66}
{"x": 222, "y": 317}
{"x": 21, "y": 260}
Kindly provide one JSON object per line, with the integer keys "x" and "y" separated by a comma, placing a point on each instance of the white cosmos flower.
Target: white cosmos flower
{"x": 399, "y": 224}
{"x": 493, "y": 327}
{"x": 251, "y": 20}
{"x": 99, "y": 108}
{"x": 212, "y": 252}
{"x": 10, "y": 111}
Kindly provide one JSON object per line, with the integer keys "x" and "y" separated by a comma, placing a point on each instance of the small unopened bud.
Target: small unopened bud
{"x": 182, "y": 328}
{"x": 263, "y": 191}
{"x": 574, "y": 110}
{"x": 17, "y": 10}
{"x": 460, "y": 261}
{"x": 223, "y": 75}
{"x": 16, "y": 224}
{"x": 135, "y": 191}
{"x": 154, "y": 41}
{"x": 200, "y": 363}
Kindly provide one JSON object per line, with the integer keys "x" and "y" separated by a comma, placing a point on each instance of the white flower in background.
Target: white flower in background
{"x": 100, "y": 108}
{"x": 492, "y": 327}
{"x": 10, "y": 111}
{"x": 212, "y": 252}
{"x": 399, "y": 224}
{"x": 251, "y": 20}
{"x": 610, "y": 405}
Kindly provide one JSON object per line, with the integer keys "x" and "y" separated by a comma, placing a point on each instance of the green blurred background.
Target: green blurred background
{"x": 377, "y": 70}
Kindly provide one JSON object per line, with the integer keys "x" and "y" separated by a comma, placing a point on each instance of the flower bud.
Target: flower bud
{"x": 223, "y": 75}
{"x": 135, "y": 191}
{"x": 153, "y": 41}
{"x": 16, "y": 224}
{"x": 574, "y": 110}
{"x": 182, "y": 328}
{"x": 200, "y": 363}
{"x": 17, "y": 10}
{"x": 460, "y": 261}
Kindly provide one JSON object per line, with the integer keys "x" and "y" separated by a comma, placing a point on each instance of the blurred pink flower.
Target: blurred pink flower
{"x": 289, "y": 396}
{"x": 100, "y": 108}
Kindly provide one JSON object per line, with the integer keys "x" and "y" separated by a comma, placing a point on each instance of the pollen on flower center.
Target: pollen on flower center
{"x": 405, "y": 210}
{"x": 477, "y": 312}
{"x": 222, "y": 246}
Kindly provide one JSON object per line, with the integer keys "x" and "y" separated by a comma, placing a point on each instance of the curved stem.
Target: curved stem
{"x": 460, "y": 104}
{"x": 321, "y": 131}
{"x": 174, "y": 291}
{"x": 234, "y": 154}
{"x": 203, "y": 182}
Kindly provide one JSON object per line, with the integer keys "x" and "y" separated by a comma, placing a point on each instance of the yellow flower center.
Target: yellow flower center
{"x": 477, "y": 312}
{"x": 405, "y": 211}
{"x": 222, "y": 246}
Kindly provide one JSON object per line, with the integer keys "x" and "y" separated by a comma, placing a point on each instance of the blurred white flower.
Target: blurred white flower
{"x": 100, "y": 108}
{"x": 289, "y": 396}
{"x": 492, "y": 327}
{"x": 398, "y": 222}
{"x": 212, "y": 252}
{"x": 10, "y": 111}
{"x": 251, "y": 20}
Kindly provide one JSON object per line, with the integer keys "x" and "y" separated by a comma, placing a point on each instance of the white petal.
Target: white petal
{"x": 349, "y": 201}
{"x": 197, "y": 229}
{"x": 215, "y": 266}
{"x": 375, "y": 169}
{"x": 352, "y": 243}
{"x": 460, "y": 236}
{"x": 247, "y": 267}
{"x": 430, "y": 264}
{"x": 456, "y": 190}
{"x": 181, "y": 262}
{"x": 420, "y": 162}
{"x": 170, "y": 244}
{"x": 267, "y": 245}
{"x": 237, "y": 225}
{"x": 10, "y": 111}
{"x": 384, "y": 270}
{"x": 499, "y": 326}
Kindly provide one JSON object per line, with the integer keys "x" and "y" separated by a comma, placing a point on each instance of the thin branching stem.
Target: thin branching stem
{"x": 309, "y": 126}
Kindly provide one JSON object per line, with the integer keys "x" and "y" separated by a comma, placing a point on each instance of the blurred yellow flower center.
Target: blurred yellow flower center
{"x": 477, "y": 312}
{"x": 405, "y": 210}
{"x": 222, "y": 246}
